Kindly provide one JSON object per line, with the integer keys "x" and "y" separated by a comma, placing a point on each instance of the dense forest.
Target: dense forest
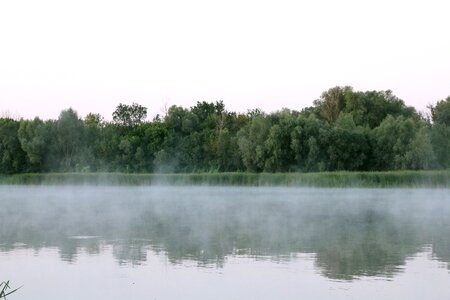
{"x": 343, "y": 130}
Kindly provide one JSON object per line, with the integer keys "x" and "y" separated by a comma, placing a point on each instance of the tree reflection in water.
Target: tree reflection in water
{"x": 350, "y": 232}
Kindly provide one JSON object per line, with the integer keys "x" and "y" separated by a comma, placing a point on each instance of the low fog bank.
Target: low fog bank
{"x": 351, "y": 232}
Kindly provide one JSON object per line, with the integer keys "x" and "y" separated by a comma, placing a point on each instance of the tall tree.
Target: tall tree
{"x": 12, "y": 157}
{"x": 392, "y": 142}
{"x": 332, "y": 102}
{"x": 35, "y": 138}
{"x": 278, "y": 143}
{"x": 440, "y": 134}
{"x": 69, "y": 139}
{"x": 94, "y": 126}
{"x": 129, "y": 115}
{"x": 251, "y": 141}
{"x": 420, "y": 154}
{"x": 347, "y": 145}
{"x": 370, "y": 108}
{"x": 441, "y": 112}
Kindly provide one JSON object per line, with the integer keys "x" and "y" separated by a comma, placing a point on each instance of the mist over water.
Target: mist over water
{"x": 331, "y": 237}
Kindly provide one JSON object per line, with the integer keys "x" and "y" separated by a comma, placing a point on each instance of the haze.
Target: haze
{"x": 92, "y": 55}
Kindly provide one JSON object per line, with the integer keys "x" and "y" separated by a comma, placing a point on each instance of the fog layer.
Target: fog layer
{"x": 350, "y": 232}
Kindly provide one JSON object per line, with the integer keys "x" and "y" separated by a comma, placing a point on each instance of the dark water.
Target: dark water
{"x": 225, "y": 243}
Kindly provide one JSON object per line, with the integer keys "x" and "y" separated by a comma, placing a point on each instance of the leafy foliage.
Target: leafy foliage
{"x": 12, "y": 156}
{"x": 129, "y": 115}
{"x": 345, "y": 130}
{"x": 441, "y": 112}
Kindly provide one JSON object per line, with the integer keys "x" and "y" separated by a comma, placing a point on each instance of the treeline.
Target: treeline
{"x": 343, "y": 130}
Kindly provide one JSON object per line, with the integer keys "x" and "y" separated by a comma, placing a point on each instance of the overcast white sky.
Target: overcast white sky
{"x": 93, "y": 54}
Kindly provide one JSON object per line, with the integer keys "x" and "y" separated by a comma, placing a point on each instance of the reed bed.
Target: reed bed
{"x": 6, "y": 290}
{"x": 439, "y": 178}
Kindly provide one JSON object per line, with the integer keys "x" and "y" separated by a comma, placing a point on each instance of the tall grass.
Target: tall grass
{"x": 4, "y": 287}
{"x": 323, "y": 179}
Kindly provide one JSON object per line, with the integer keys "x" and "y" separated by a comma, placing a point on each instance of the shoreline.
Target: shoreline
{"x": 386, "y": 179}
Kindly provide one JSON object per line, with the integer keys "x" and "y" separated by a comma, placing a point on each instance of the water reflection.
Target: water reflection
{"x": 349, "y": 232}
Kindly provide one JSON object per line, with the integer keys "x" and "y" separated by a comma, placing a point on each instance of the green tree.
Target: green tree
{"x": 251, "y": 141}
{"x": 421, "y": 154}
{"x": 12, "y": 157}
{"x": 392, "y": 142}
{"x": 347, "y": 145}
{"x": 228, "y": 158}
{"x": 69, "y": 139}
{"x": 440, "y": 113}
{"x": 440, "y": 137}
{"x": 154, "y": 137}
{"x": 315, "y": 134}
{"x": 332, "y": 102}
{"x": 313, "y": 160}
{"x": 280, "y": 156}
{"x": 440, "y": 132}
{"x": 372, "y": 107}
{"x": 94, "y": 120}
{"x": 344, "y": 130}
{"x": 92, "y": 157}
{"x": 34, "y": 139}
{"x": 129, "y": 115}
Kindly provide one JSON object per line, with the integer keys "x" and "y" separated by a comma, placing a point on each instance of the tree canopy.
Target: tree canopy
{"x": 343, "y": 130}
{"x": 129, "y": 115}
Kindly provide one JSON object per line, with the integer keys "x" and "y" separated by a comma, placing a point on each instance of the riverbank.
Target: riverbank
{"x": 433, "y": 179}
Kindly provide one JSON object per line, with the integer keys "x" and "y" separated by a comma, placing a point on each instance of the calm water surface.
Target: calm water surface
{"x": 225, "y": 243}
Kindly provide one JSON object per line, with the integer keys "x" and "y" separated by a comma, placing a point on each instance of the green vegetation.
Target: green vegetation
{"x": 345, "y": 130}
{"x": 4, "y": 287}
{"x": 319, "y": 179}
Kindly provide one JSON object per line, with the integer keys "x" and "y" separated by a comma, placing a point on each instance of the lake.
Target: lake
{"x": 160, "y": 242}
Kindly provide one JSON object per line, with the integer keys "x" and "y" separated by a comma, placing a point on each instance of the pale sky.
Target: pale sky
{"x": 94, "y": 54}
